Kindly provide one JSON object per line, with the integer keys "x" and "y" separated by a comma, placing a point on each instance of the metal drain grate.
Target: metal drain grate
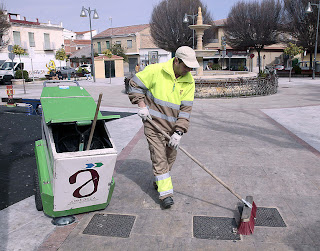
{"x": 215, "y": 228}
{"x": 269, "y": 217}
{"x": 114, "y": 225}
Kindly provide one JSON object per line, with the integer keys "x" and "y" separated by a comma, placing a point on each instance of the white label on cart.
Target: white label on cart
{"x": 82, "y": 181}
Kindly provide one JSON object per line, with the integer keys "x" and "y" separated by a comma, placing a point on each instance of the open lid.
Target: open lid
{"x": 61, "y": 104}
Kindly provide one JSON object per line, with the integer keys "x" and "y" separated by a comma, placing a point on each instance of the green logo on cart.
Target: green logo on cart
{"x": 92, "y": 165}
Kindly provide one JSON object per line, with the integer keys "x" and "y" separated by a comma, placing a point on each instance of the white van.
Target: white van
{"x": 8, "y": 69}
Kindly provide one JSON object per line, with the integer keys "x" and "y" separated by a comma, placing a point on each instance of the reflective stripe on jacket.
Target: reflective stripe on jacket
{"x": 168, "y": 98}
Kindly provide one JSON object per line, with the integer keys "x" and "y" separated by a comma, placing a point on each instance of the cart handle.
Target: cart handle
{"x": 60, "y": 81}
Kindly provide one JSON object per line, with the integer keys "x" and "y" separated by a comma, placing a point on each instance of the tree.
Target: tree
{"x": 300, "y": 25}
{"x": 254, "y": 25}
{"x": 61, "y": 55}
{"x": 20, "y": 51}
{"x": 4, "y": 27}
{"x": 292, "y": 50}
{"x": 108, "y": 53}
{"x": 117, "y": 50}
{"x": 167, "y": 28}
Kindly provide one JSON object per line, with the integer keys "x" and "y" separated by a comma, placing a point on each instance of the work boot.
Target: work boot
{"x": 167, "y": 202}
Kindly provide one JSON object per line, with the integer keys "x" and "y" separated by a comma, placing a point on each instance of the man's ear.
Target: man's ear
{"x": 176, "y": 61}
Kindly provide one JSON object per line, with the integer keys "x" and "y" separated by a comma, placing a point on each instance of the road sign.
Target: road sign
{"x": 229, "y": 54}
{"x": 10, "y": 48}
{"x": 251, "y": 55}
{"x": 11, "y": 55}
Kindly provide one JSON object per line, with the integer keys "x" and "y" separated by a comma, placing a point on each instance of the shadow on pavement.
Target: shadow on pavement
{"x": 140, "y": 172}
{"x": 18, "y": 133}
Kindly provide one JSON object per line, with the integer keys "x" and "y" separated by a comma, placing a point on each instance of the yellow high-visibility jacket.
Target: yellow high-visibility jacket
{"x": 168, "y": 98}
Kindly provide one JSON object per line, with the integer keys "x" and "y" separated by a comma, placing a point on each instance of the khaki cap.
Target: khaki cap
{"x": 188, "y": 56}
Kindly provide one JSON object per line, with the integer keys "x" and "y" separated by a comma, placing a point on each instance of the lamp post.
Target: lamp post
{"x": 309, "y": 10}
{"x": 186, "y": 20}
{"x": 95, "y": 16}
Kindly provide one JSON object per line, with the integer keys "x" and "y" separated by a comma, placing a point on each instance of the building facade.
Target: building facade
{"x": 137, "y": 43}
{"x": 74, "y": 41}
{"x": 40, "y": 40}
{"x": 228, "y": 57}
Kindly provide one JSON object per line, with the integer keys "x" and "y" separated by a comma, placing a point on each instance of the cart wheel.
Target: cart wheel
{"x": 37, "y": 195}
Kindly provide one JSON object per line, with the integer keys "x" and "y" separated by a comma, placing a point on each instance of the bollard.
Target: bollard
{"x": 10, "y": 93}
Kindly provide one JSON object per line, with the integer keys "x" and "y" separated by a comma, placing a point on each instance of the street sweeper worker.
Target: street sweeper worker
{"x": 164, "y": 93}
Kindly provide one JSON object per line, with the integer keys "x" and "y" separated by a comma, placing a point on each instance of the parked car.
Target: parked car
{"x": 65, "y": 70}
{"x": 85, "y": 66}
{"x": 279, "y": 67}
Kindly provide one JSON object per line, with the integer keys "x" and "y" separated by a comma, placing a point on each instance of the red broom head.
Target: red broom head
{"x": 254, "y": 210}
{"x": 246, "y": 227}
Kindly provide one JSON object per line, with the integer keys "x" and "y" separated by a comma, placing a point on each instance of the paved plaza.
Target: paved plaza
{"x": 264, "y": 146}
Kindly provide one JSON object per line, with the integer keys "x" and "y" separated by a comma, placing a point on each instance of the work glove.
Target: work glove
{"x": 144, "y": 113}
{"x": 175, "y": 140}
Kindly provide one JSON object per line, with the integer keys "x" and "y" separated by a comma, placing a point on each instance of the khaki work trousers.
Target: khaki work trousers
{"x": 162, "y": 156}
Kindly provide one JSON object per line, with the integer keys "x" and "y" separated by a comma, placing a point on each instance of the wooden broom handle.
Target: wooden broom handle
{"x": 197, "y": 161}
{"x": 94, "y": 122}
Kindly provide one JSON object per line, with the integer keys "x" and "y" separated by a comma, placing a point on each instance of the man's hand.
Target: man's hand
{"x": 175, "y": 140}
{"x": 144, "y": 113}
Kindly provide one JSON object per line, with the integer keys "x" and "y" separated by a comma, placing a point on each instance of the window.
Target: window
{"x": 99, "y": 47}
{"x": 118, "y": 42}
{"x": 108, "y": 44}
{"x": 16, "y": 37}
{"x": 31, "y": 39}
{"x": 46, "y": 41}
{"x": 129, "y": 44}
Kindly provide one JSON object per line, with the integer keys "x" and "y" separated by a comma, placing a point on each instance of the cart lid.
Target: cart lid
{"x": 62, "y": 104}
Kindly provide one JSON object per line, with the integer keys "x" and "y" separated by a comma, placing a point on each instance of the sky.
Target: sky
{"x": 122, "y": 12}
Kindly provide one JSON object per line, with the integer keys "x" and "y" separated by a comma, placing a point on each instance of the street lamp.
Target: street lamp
{"x": 309, "y": 10}
{"x": 186, "y": 20}
{"x": 95, "y": 16}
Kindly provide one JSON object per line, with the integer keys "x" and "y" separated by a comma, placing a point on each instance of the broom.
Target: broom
{"x": 94, "y": 122}
{"x": 246, "y": 225}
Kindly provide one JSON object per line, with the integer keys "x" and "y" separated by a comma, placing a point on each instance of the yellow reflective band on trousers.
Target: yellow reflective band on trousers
{"x": 164, "y": 184}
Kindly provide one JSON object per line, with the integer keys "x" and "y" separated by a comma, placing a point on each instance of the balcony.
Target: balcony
{"x": 48, "y": 46}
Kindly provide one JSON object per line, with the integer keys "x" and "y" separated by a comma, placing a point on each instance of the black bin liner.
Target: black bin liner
{"x": 71, "y": 137}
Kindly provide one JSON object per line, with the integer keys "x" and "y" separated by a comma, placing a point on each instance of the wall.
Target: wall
{"x": 100, "y": 70}
{"x": 273, "y": 53}
{"x": 113, "y": 40}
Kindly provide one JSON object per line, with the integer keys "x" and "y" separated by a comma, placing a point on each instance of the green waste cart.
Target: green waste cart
{"x": 69, "y": 180}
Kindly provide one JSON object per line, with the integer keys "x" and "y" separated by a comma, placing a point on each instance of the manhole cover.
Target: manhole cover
{"x": 215, "y": 228}
{"x": 269, "y": 217}
{"x": 114, "y": 225}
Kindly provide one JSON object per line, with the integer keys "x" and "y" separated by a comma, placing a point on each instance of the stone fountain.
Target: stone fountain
{"x": 199, "y": 28}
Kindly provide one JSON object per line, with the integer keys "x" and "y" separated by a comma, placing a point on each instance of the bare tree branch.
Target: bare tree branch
{"x": 254, "y": 24}
{"x": 4, "y": 27}
{"x": 167, "y": 28}
{"x": 300, "y": 25}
